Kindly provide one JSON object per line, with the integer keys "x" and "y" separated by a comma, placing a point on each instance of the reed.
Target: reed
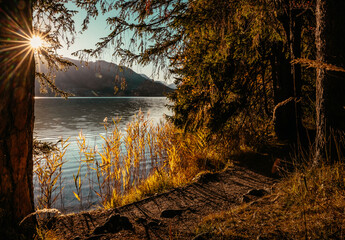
{"x": 143, "y": 159}
{"x": 47, "y": 171}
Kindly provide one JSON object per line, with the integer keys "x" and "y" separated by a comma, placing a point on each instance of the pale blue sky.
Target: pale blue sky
{"x": 98, "y": 28}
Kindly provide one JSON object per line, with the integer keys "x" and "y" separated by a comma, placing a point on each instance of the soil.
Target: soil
{"x": 170, "y": 215}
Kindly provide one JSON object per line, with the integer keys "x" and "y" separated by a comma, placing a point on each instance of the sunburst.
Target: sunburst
{"x": 36, "y": 42}
{"x": 20, "y": 41}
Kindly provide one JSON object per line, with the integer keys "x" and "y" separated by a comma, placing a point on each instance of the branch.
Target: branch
{"x": 317, "y": 64}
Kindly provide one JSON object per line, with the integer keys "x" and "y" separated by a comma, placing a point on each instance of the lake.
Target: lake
{"x": 57, "y": 117}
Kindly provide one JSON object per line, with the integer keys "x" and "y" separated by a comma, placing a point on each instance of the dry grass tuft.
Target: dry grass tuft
{"x": 47, "y": 170}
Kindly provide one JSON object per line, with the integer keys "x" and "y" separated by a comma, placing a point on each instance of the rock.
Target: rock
{"x": 257, "y": 192}
{"x": 141, "y": 220}
{"x": 171, "y": 213}
{"x": 207, "y": 177}
{"x": 253, "y": 194}
{"x": 114, "y": 224}
{"x": 155, "y": 223}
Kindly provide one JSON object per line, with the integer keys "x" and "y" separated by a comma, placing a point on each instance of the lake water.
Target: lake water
{"x": 57, "y": 117}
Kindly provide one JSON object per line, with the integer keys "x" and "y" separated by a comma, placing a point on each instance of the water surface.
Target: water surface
{"x": 57, "y": 117}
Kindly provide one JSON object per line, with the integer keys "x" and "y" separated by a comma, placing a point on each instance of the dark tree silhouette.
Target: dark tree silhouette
{"x": 17, "y": 66}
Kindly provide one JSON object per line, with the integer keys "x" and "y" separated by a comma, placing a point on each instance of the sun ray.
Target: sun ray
{"x": 22, "y": 51}
{"x": 26, "y": 43}
{"x": 14, "y": 41}
{"x": 11, "y": 48}
{"x": 17, "y": 26}
{"x": 21, "y": 61}
{"x": 16, "y": 55}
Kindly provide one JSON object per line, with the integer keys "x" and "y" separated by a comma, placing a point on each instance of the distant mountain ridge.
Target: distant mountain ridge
{"x": 171, "y": 85}
{"x": 102, "y": 78}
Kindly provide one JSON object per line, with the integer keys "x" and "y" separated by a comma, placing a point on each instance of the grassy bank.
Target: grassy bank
{"x": 143, "y": 160}
{"x": 307, "y": 204}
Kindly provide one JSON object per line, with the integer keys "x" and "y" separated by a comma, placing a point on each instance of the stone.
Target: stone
{"x": 114, "y": 224}
{"x": 207, "y": 177}
{"x": 171, "y": 213}
{"x": 253, "y": 194}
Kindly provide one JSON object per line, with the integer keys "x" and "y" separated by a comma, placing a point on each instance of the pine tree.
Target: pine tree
{"x": 232, "y": 58}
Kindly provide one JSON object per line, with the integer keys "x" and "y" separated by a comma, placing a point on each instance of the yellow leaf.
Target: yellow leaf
{"x": 76, "y": 195}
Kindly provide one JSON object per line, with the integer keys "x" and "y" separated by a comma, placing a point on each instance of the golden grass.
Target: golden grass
{"x": 145, "y": 159}
{"x": 173, "y": 157}
{"x": 48, "y": 170}
{"x": 308, "y": 204}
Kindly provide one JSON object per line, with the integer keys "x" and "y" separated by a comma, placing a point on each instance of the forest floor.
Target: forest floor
{"x": 171, "y": 215}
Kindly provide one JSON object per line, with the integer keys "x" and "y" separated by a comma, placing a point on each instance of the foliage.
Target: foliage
{"x": 227, "y": 57}
{"x": 53, "y": 23}
{"x": 225, "y": 67}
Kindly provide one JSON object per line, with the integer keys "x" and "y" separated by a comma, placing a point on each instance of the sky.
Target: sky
{"x": 98, "y": 28}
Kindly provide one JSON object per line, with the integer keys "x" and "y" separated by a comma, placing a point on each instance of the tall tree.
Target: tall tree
{"x": 330, "y": 85}
{"x": 17, "y": 66}
{"x": 199, "y": 41}
{"x": 288, "y": 76}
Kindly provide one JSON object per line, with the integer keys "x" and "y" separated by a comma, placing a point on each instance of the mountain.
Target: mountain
{"x": 171, "y": 85}
{"x": 102, "y": 78}
{"x": 145, "y": 76}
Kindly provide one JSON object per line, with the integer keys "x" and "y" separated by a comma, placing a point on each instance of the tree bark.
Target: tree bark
{"x": 320, "y": 77}
{"x": 330, "y": 85}
{"x": 16, "y": 109}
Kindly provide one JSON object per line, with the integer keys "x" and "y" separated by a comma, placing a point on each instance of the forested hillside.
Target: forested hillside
{"x": 102, "y": 78}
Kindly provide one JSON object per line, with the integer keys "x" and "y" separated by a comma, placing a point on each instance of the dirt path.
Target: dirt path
{"x": 173, "y": 214}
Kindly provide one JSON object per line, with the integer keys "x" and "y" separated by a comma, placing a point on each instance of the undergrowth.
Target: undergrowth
{"x": 307, "y": 204}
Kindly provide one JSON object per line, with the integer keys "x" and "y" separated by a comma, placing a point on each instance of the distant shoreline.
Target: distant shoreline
{"x": 39, "y": 97}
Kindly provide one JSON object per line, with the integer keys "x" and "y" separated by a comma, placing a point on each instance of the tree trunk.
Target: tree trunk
{"x": 285, "y": 124}
{"x": 320, "y": 77}
{"x": 16, "y": 110}
{"x": 330, "y": 85}
{"x": 296, "y": 73}
{"x": 288, "y": 77}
